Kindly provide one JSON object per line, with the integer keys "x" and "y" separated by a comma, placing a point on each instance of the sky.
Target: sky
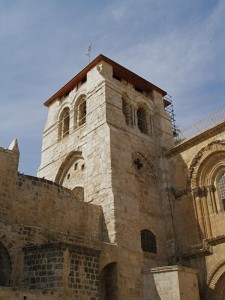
{"x": 177, "y": 45}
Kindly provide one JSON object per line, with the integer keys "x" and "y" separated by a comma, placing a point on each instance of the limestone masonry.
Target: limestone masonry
{"x": 120, "y": 208}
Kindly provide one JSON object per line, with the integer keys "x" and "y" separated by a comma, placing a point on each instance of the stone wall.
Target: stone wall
{"x": 49, "y": 240}
{"x": 62, "y": 269}
{"x": 110, "y": 142}
{"x": 195, "y": 166}
{"x": 171, "y": 282}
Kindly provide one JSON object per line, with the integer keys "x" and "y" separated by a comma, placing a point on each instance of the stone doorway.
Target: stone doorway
{"x": 108, "y": 282}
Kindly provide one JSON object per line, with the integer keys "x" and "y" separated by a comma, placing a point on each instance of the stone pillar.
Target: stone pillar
{"x": 202, "y": 211}
{"x": 171, "y": 282}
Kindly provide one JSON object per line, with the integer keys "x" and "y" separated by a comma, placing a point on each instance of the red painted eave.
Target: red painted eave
{"x": 118, "y": 71}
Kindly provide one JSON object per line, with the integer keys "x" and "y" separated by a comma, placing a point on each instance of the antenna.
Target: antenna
{"x": 89, "y": 52}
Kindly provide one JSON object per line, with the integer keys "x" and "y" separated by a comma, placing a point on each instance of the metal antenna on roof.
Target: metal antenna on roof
{"x": 89, "y": 52}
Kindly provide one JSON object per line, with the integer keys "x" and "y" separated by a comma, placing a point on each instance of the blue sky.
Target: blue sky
{"x": 178, "y": 45}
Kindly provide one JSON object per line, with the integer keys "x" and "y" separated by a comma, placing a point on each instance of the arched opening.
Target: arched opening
{"x": 64, "y": 123}
{"x": 80, "y": 112}
{"x": 148, "y": 241}
{"x": 219, "y": 291}
{"x": 109, "y": 282}
{"x": 126, "y": 108}
{"x": 142, "y": 120}
{"x": 222, "y": 189}
{"x": 5, "y": 266}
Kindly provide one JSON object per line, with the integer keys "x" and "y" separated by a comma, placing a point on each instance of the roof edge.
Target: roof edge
{"x": 129, "y": 75}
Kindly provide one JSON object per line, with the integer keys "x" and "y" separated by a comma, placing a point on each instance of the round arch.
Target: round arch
{"x": 77, "y": 97}
{"x": 205, "y": 162}
{"x": 216, "y": 282}
{"x": 66, "y": 164}
{"x": 109, "y": 282}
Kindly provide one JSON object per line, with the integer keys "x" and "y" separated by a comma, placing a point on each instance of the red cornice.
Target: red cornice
{"x": 118, "y": 71}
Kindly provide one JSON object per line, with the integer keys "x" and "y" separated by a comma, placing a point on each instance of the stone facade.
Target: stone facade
{"x": 196, "y": 166}
{"x": 104, "y": 219}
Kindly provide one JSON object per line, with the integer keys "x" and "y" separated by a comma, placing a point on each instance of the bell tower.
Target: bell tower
{"x": 104, "y": 138}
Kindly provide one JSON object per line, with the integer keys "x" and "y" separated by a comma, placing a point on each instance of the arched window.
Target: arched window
{"x": 80, "y": 112}
{"x": 142, "y": 120}
{"x": 64, "y": 123}
{"x": 148, "y": 241}
{"x": 222, "y": 189}
{"x": 126, "y": 111}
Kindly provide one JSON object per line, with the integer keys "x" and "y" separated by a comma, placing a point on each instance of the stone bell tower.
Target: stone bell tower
{"x": 104, "y": 138}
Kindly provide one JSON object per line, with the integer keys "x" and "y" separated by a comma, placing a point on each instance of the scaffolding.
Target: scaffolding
{"x": 168, "y": 105}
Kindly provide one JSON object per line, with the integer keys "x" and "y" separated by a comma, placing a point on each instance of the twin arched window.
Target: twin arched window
{"x": 64, "y": 123}
{"x": 142, "y": 120}
{"x": 148, "y": 241}
{"x": 135, "y": 117}
{"x": 79, "y": 118}
{"x": 80, "y": 112}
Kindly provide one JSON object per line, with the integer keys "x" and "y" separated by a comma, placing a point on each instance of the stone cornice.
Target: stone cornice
{"x": 188, "y": 143}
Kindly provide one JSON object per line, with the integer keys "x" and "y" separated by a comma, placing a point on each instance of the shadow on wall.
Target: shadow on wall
{"x": 150, "y": 290}
{"x": 5, "y": 266}
{"x": 109, "y": 282}
{"x": 104, "y": 231}
{"x": 189, "y": 225}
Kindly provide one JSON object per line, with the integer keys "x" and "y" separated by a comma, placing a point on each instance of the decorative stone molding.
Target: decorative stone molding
{"x": 179, "y": 193}
{"x": 206, "y": 250}
{"x": 142, "y": 162}
{"x": 200, "y": 158}
{"x": 66, "y": 165}
{"x": 200, "y": 191}
{"x": 216, "y": 240}
{"x": 213, "y": 278}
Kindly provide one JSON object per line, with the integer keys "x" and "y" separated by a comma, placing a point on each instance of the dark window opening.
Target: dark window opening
{"x": 139, "y": 165}
{"x": 64, "y": 123}
{"x": 109, "y": 282}
{"x": 82, "y": 112}
{"x": 138, "y": 89}
{"x": 148, "y": 241}
{"x": 84, "y": 80}
{"x": 142, "y": 123}
{"x": 75, "y": 166}
{"x": 222, "y": 189}
{"x": 117, "y": 77}
{"x": 126, "y": 111}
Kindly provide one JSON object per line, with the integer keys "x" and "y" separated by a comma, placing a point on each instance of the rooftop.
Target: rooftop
{"x": 118, "y": 72}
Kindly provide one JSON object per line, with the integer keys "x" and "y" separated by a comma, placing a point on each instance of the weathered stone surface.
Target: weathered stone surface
{"x": 109, "y": 171}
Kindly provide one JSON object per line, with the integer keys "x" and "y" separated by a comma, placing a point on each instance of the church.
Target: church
{"x": 123, "y": 206}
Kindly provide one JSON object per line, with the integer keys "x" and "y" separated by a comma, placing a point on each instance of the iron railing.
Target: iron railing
{"x": 200, "y": 126}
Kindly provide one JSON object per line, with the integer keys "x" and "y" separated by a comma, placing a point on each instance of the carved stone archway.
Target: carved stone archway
{"x": 203, "y": 170}
{"x": 201, "y": 158}
{"x": 216, "y": 283}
